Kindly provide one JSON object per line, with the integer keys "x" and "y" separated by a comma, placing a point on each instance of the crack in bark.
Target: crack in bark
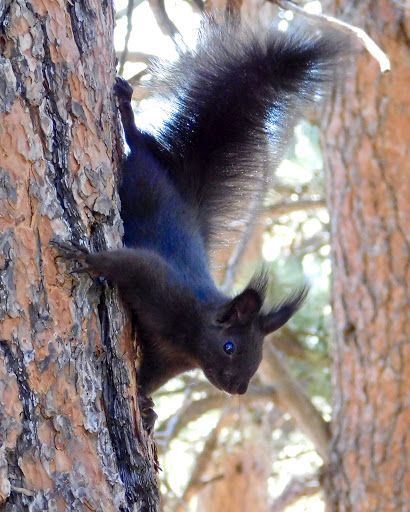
{"x": 60, "y": 142}
{"x": 8, "y": 293}
{"x": 39, "y": 311}
{"x": 4, "y": 11}
{"x": 27, "y": 441}
{"x": 81, "y": 24}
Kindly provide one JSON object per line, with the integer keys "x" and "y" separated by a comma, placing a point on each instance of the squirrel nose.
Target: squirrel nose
{"x": 242, "y": 388}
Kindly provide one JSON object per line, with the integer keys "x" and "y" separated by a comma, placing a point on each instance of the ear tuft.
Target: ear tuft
{"x": 281, "y": 313}
{"x": 259, "y": 283}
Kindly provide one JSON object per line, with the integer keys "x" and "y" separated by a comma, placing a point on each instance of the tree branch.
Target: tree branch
{"x": 311, "y": 244}
{"x": 295, "y": 401}
{"x": 167, "y": 27}
{"x": 123, "y": 12}
{"x": 198, "y": 5}
{"x": 287, "y": 342}
{"x": 286, "y": 207}
{"x": 296, "y": 489}
{"x": 191, "y": 411}
{"x": 375, "y": 51}
{"x": 124, "y": 53}
{"x": 146, "y": 58}
{"x": 195, "y": 483}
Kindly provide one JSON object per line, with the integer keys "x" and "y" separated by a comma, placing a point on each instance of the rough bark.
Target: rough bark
{"x": 369, "y": 191}
{"x": 70, "y": 431}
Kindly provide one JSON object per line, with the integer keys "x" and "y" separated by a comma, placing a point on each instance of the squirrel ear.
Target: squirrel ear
{"x": 242, "y": 309}
{"x": 279, "y": 315}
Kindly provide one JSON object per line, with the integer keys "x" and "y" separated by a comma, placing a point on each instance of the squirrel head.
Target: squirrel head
{"x": 231, "y": 346}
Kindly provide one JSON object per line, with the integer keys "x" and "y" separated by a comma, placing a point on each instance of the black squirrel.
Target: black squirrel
{"x": 236, "y": 99}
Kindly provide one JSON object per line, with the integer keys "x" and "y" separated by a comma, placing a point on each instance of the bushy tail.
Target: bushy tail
{"x": 236, "y": 99}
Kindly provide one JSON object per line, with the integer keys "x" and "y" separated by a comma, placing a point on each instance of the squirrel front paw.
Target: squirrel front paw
{"x": 123, "y": 90}
{"x": 72, "y": 251}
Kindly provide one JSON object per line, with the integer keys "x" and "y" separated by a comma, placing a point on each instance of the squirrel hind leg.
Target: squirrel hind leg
{"x": 138, "y": 140}
{"x": 148, "y": 415}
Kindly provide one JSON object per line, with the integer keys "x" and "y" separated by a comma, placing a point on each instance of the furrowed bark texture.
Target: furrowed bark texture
{"x": 70, "y": 431}
{"x": 369, "y": 192}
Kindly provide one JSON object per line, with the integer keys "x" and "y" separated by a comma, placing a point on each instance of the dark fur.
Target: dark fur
{"x": 236, "y": 99}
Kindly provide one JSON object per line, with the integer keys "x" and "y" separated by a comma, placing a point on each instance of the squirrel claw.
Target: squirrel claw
{"x": 148, "y": 415}
{"x": 72, "y": 251}
{"x": 122, "y": 89}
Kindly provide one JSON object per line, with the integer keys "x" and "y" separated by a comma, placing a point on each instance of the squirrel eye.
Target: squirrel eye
{"x": 229, "y": 347}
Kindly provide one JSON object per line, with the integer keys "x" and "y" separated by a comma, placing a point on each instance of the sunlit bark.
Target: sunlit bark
{"x": 70, "y": 430}
{"x": 369, "y": 192}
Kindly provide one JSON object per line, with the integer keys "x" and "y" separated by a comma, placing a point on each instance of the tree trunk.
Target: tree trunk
{"x": 369, "y": 202}
{"x": 70, "y": 430}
